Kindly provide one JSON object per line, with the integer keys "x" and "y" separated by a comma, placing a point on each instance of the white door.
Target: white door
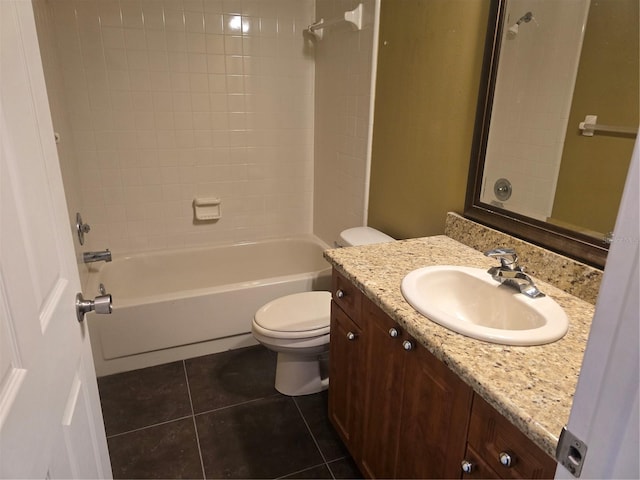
{"x": 50, "y": 418}
{"x": 605, "y": 411}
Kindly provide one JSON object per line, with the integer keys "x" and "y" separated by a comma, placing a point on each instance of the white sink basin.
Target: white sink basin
{"x": 468, "y": 301}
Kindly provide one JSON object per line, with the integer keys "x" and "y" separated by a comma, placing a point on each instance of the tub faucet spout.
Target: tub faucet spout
{"x": 101, "y": 256}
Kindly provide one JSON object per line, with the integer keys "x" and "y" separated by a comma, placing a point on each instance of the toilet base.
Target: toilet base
{"x": 299, "y": 375}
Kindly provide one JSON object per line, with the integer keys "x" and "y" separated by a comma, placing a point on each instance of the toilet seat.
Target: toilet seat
{"x": 297, "y": 328}
{"x": 301, "y": 315}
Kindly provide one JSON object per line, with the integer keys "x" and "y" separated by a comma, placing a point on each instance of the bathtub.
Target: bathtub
{"x": 175, "y": 304}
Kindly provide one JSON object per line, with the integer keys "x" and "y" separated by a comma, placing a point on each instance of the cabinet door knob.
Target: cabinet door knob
{"x": 340, "y": 294}
{"x": 393, "y": 332}
{"x": 505, "y": 459}
{"x": 407, "y": 345}
{"x": 467, "y": 466}
{"x": 351, "y": 336}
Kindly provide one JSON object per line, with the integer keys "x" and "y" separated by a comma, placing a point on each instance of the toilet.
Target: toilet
{"x": 297, "y": 328}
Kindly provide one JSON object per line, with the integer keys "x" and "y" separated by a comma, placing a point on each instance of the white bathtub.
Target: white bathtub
{"x": 170, "y": 305}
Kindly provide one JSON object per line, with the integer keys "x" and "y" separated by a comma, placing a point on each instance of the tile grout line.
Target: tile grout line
{"x": 329, "y": 466}
{"x": 226, "y": 407}
{"x": 304, "y": 470}
{"x": 193, "y": 417}
{"x": 324, "y": 459}
{"x": 148, "y": 426}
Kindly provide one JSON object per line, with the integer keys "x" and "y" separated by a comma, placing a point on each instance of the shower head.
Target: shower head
{"x": 310, "y": 35}
{"x": 512, "y": 32}
{"x": 526, "y": 18}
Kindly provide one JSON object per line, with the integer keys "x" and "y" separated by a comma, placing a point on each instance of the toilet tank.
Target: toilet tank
{"x": 362, "y": 236}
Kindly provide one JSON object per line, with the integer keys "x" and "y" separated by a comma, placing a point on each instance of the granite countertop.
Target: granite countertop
{"x": 531, "y": 386}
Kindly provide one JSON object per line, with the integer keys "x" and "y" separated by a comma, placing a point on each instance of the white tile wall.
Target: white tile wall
{"x": 57, "y": 84}
{"x": 168, "y": 100}
{"x": 536, "y": 76}
{"x": 342, "y": 121}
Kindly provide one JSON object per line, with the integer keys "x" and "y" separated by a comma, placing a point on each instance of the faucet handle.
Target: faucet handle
{"x": 508, "y": 257}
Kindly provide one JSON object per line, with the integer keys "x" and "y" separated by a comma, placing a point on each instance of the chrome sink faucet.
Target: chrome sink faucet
{"x": 510, "y": 273}
{"x": 101, "y": 256}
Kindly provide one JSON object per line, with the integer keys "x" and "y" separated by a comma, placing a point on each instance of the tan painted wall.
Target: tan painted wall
{"x": 594, "y": 169}
{"x": 429, "y": 64}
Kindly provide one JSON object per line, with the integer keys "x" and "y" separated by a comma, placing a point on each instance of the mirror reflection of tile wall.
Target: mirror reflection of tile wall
{"x": 534, "y": 86}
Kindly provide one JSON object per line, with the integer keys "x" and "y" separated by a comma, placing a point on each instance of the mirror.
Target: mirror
{"x": 535, "y": 173}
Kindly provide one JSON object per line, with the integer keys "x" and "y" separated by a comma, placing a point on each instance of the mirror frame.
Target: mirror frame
{"x": 584, "y": 248}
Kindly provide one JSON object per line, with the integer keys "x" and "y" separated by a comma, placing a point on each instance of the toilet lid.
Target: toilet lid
{"x": 300, "y": 312}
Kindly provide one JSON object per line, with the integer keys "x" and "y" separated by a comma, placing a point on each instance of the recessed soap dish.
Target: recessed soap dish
{"x": 207, "y": 208}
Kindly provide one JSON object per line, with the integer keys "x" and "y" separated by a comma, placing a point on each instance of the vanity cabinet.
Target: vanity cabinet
{"x": 403, "y": 413}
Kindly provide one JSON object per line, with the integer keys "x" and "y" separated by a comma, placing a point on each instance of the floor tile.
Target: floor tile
{"x": 344, "y": 468}
{"x": 169, "y": 450}
{"x": 144, "y": 397}
{"x": 230, "y": 378}
{"x": 314, "y": 409}
{"x": 263, "y": 439}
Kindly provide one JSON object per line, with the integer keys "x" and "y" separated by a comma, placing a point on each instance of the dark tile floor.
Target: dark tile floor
{"x": 218, "y": 416}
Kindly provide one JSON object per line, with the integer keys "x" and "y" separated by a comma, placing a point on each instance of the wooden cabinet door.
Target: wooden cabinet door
{"x": 384, "y": 367}
{"x": 346, "y": 402}
{"x": 435, "y": 415}
{"x": 491, "y": 434}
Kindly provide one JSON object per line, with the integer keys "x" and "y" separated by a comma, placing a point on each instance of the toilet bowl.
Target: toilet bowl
{"x": 297, "y": 328}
